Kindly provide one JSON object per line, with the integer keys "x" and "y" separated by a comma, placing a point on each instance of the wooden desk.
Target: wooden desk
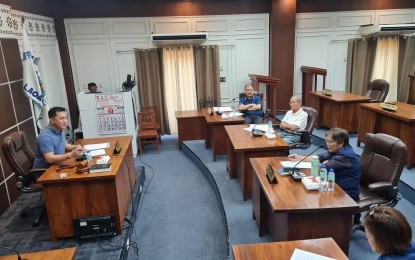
{"x": 62, "y": 254}
{"x": 284, "y": 250}
{"x": 215, "y": 131}
{"x": 290, "y": 212}
{"x": 86, "y": 195}
{"x": 241, "y": 146}
{"x": 191, "y": 125}
{"x": 401, "y": 123}
{"x": 339, "y": 110}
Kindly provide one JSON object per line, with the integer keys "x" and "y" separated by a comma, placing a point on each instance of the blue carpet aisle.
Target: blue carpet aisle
{"x": 180, "y": 217}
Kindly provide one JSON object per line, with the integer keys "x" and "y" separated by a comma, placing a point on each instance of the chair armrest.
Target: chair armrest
{"x": 37, "y": 171}
{"x": 379, "y": 186}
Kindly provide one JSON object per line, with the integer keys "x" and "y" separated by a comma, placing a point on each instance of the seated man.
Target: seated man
{"x": 250, "y": 106}
{"x": 51, "y": 143}
{"x": 92, "y": 87}
{"x": 294, "y": 120}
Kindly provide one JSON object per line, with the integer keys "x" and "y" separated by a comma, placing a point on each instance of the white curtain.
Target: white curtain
{"x": 386, "y": 64}
{"x": 179, "y": 82}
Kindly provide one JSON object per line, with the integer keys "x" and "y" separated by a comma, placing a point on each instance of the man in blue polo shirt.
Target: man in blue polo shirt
{"x": 250, "y": 106}
{"x": 51, "y": 145}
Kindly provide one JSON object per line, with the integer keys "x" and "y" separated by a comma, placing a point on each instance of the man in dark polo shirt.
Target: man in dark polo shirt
{"x": 250, "y": 106}
{"x": 51, "y": 145}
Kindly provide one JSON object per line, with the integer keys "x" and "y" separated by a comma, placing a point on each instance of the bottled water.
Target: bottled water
{"x": 88, "y": 157}
{"x": 331, "y": 179}
{"x": 315, "y": 163}
{"x": 270, "y": 129}
{"x": 323, "y": 178}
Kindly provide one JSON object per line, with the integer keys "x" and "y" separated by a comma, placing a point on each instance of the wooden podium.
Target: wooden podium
{"x": 411, "y": 96}
{"x": 271, "y": 90}
{"x": 308, "y": 83}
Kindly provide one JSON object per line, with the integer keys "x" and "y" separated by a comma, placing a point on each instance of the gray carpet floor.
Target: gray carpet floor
{"x": 180, "y": 217}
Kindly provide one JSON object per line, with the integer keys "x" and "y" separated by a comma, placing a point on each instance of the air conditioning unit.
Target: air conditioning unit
{"x": 387, "y": 29}
{"x": 183, "y": 39}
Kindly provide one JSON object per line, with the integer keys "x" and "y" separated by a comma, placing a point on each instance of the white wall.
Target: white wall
{"x": 101, "y": 50}
{"x": 321, "y": 40}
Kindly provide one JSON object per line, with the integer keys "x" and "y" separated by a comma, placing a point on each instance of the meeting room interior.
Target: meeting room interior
{"x": 176, "y": 172}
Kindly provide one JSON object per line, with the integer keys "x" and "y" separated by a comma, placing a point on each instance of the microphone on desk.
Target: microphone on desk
{"x": 297, "y": 177}
{"x": 257, "y": 132}
{"x": 11, "y": 249}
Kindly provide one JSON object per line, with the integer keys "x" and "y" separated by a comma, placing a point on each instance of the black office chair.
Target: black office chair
{"x": 20, "y": 158}
{"x": 382, "y": 162}
{"x": 378, "y": 89}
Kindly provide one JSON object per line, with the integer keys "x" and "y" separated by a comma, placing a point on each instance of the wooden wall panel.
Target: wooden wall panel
{"x": 18, "y": 116}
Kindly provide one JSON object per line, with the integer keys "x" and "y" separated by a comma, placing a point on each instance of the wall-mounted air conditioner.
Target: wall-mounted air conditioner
{"x": 387, "y": 29}
{"x": 183, "y": 39}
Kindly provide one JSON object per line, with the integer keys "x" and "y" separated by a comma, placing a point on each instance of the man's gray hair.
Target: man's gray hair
{"x": 299, "y": 99}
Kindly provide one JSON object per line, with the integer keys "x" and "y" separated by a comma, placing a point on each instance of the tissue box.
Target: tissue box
{"x": 311, "y": 183}
{"x": 103, "y": 159}
{"x": 270, "y": 136}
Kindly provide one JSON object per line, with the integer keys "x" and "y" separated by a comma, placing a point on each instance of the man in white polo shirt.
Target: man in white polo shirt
{"x": 293, "y": 121}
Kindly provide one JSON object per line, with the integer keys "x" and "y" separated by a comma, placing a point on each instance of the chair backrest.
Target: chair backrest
{"x": 378, "y": 89}
{"x": 18, "y": 154}
{"x": 151, "y": 109}
{"x": 146, "y": 120}
{"x": 207, "y": 102}
{"x": 311, "y": 119}
{"x": 382, "y": 160}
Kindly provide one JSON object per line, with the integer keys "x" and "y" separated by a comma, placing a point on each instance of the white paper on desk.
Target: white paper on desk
{"x": 304, "y": 255}
{"x": 262, "y": 127}
{"x": 96, "y": 146}
{"x": 97, "y": 152}
{"x": 290, "y": 164}
{"x": 223, "y": 109}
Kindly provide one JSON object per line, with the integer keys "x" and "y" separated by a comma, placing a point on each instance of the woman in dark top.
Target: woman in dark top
{"x": 343, "y": 160}
{"x": 389, "y": 233}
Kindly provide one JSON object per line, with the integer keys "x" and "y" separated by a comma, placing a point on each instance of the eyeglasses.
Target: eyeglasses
{"x": 292, "y": 102}
{"x": 372, "y": 209}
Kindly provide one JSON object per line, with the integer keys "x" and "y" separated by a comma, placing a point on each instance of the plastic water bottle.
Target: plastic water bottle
{"x": 331, "y": 179}
{"x": 315, "y": 164}
{"x": 270, "y": 129}
{"x": 323, "y": 178}
{"x": 88, "y": 157}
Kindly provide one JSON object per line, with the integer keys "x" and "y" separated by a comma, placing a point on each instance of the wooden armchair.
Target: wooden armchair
{"x": 146, "y": 130}
{"x": 155, "y": 110}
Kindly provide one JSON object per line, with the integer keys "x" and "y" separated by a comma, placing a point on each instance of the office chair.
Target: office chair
{"x": 266, "y": 113}
{"x": 146, "y": 130}
{"x": 20, "y": 157}
{"x": 382, "y": 162}
{"x": 155, "y": 110}
{"x": 377, "y": 90}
